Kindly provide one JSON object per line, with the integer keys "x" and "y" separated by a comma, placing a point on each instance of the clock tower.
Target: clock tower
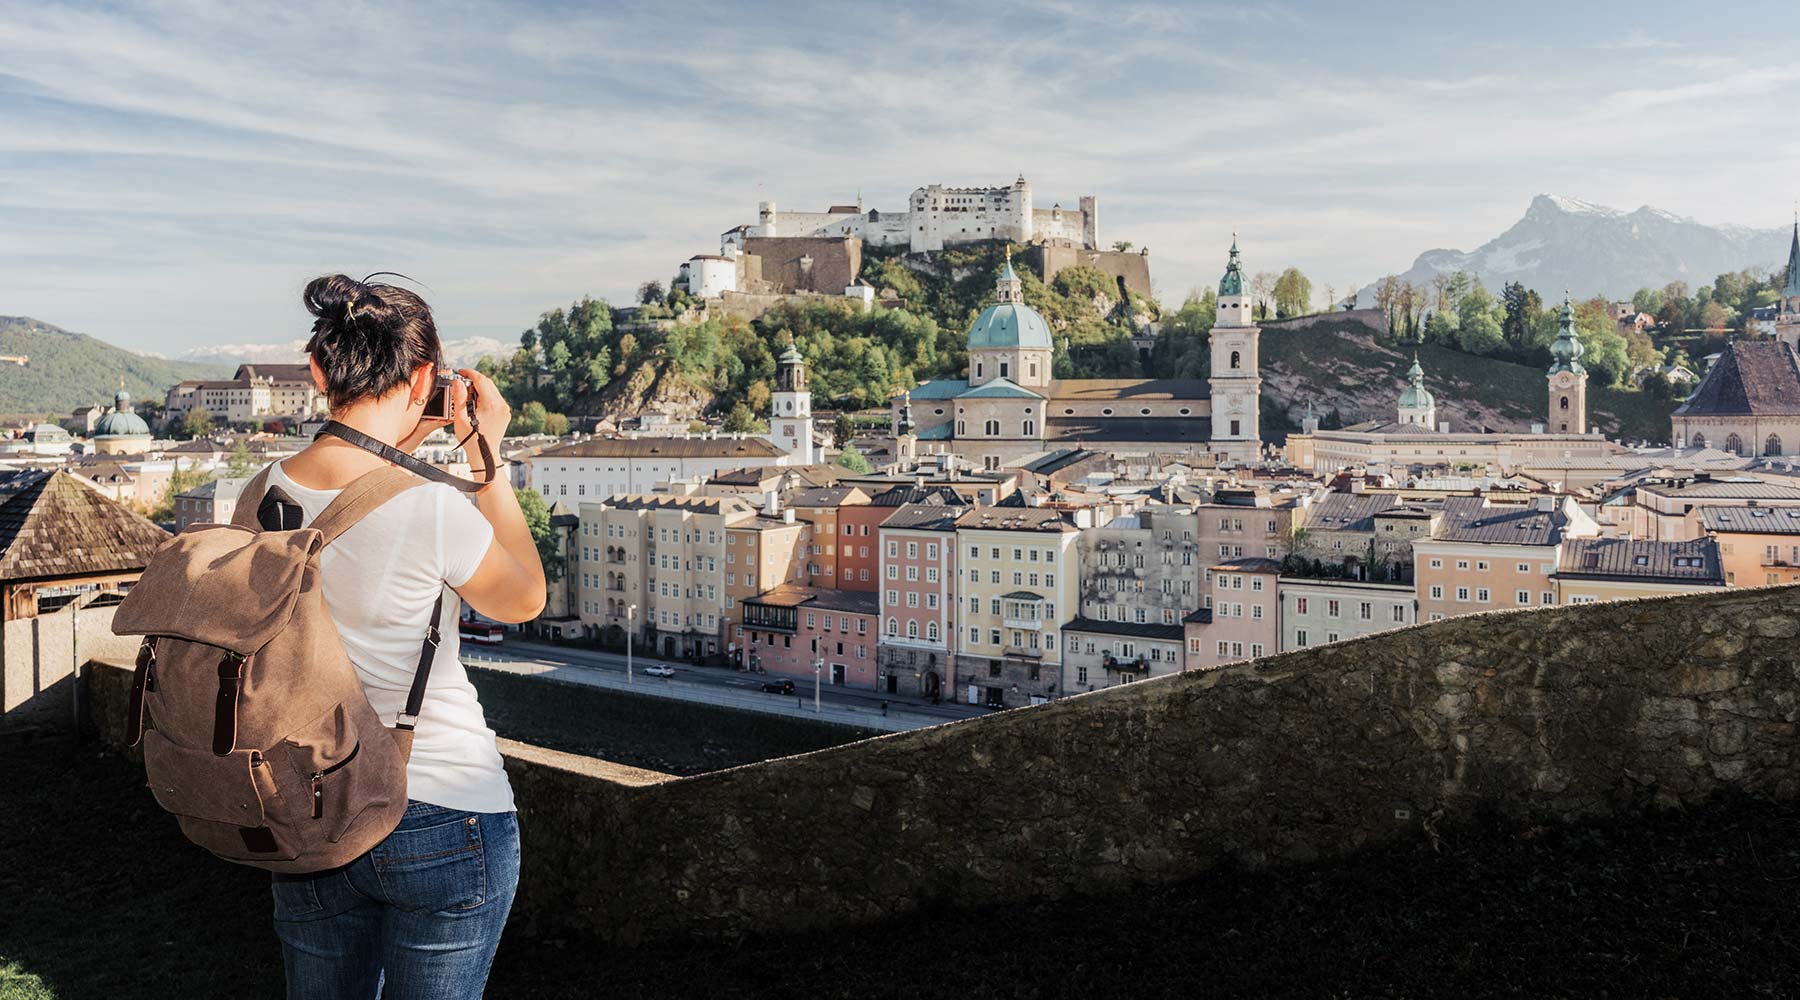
{"x": 1568, "y": 379}
{"x": 1236, "y": 382}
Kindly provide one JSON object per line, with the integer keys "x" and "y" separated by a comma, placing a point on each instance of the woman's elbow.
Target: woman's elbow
{"x": 524, "y": 609}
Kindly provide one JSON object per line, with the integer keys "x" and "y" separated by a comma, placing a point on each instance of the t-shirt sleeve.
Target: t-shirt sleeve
{"x": 463, "y": 536}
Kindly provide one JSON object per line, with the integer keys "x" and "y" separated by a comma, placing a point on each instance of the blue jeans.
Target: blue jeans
{"x": 420, "y": 914}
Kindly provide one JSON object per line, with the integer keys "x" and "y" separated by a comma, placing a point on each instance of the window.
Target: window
{"x": 1331, "y": 609}
{"x": 1523, "y": 597}
{"x": 1524, "y": 568}
{"x": 1549, "y": 598}
{"x": 1400, "y": 613}
{"x": 1365, "y": 611}
{"x": 1300, "y": 605}
{"x": 1462, "y": 564}
{"x": 1437, "y": 564}
{"x": 1462, "y": 593}
{"x": 1481, "y": 595}
{"x": 1437, "y": 592}
{"x": 893, "y": 546}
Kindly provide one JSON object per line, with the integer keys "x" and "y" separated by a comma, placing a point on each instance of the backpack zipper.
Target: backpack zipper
{"x": 318, "y": 781}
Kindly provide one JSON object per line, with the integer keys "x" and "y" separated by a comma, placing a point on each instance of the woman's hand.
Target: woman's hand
{"x": 491, "y": 412}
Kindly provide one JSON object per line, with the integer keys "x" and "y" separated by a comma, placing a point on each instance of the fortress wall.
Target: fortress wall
{"x": 1555, "y": 714}
{"x": 1132, "y": 266}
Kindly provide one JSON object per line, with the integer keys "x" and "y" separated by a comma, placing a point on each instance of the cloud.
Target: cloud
{"x": 171, "y": 174}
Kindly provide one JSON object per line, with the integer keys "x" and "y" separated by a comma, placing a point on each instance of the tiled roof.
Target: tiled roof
{"x": 940, "y": 388}
{"x": 934, "y": 495}
{"x": 1348, "y": 511}
{"x": 281, "y": 373}
{"x": 1748, "y": 520}
{"x": 1728, "y": 489}
{"x": 52, "y": 527}
{"x": 1694, "y": 561}
{"x": 1015, "y": 519}
{"x": 1760, "y": 378}
{"x": 1197, "y": 430}
{"x": 923, "y": 517}
{"x": 1164, "y": 633}
{"x": 1199, "y": 616}
{"x": 1148, "y": 389}
{"x": 858, "y": 602}
{"x": 670, "y": 501}
{"x": 829, "y": 496}
{"x": 1469, "y": 519}
{"x": 666, "y": 448}
{"x": 1248, "y": 564}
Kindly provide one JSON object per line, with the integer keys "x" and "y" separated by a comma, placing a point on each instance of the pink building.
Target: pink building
{"x": 790, "y": 629}
{"x": 917, "y": 571}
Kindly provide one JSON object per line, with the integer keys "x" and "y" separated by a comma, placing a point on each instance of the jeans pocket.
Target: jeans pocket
{"x": 434, "y": 868}
{"x": 296, "y": 899}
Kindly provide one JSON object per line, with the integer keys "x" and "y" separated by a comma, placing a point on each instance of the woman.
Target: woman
{"x": 422, "y": 912}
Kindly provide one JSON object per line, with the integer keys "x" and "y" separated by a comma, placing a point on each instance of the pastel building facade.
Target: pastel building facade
{"x": 1017, "y": 569}
{"x": 812, "y": 632}
{"x": 918, "y": 570}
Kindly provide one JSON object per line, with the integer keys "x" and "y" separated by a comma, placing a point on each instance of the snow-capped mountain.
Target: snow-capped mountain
{"x": 1588, "y": 249}
{"x": 459, "y": 353}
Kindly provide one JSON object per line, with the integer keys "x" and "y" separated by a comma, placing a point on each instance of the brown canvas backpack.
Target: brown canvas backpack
{"x": 261, "y": 740}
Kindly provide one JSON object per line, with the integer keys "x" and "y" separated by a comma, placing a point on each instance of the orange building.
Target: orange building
{"x": 823, "y": 507}
{"x": 1758, "y": 546}
{"x": 761, "y": 553}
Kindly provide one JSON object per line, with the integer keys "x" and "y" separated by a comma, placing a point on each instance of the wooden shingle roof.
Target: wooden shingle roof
{"x": 52, "y": 526}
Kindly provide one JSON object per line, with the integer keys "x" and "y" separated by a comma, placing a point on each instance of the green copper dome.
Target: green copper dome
{"x": 121, "y": 422}
{"x": 1009, "y": 324}
{"x": 1416, "y": 396}
{"x": 1233, "y": 281}
{"x": 1566, "y": 348}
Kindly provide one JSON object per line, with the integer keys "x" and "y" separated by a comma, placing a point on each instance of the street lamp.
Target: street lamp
{"x": 818, "y": 668}
{"x": 630, "y": 619}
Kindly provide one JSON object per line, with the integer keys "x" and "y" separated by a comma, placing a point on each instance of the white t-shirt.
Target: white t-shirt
{"x": 380, "y": 579}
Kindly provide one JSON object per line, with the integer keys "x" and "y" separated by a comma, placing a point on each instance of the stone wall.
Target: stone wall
{"x": 804, "y": 264}
{"x": 38, "y": 658}
{"x": 1374, "y": 319}
{"x": 1544, "y": 715}
{"x": 1130, "y": 266}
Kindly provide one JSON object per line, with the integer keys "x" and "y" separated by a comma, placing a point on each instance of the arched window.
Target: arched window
{"x": 1699, "y": 441}
{"x": 1030, "y": 428}
{"x": 1235, "y": 359}
{"x": 1734, "y": 444}
{"x": 912, "y": 628}
{"x": 931, "y": 631}
{"x": 1565, "y": 403}
{"x": 893, "y": 627}
{"x": 992, "y": 428}
{"x": 1772, "y": 446}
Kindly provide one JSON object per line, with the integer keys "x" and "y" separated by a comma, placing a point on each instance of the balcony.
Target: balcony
{"x": 1029, "y": 624}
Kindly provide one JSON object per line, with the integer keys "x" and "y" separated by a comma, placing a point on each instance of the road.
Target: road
{"x": 715, "y": 685}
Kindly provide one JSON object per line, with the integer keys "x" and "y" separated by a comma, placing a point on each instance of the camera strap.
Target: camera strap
{"x": 353, "y": 436}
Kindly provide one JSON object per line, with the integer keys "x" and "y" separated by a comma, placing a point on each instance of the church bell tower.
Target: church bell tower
{"x": 1568, "y": 379}
{"x": 791, "y": 422}
{"x": 1236, "y": 380}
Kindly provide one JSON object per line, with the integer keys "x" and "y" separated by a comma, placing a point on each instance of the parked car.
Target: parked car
{"x": 783, "y": 686}
{"x": 659, "y": 670}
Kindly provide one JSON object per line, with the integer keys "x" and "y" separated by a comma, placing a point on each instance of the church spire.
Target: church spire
{"x": 1009, "y": 289}
{"x": 1233, "y": 281}
{"x": 1566, "y": 349}
{"x": 1791, "y": 287}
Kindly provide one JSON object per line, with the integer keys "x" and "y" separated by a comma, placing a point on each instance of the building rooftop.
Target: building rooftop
{"x": 1471, "y": 519}
{"x": 1750, "y": 520}
{"x": 1348, "y": 511}
{"x": 1015, "y": 519}
{"x": 826, "y": 496}
{"x": 53, "y": 527}
{"x": 1694, "y": 562}
{"x": 924, "y": 517}
{"x": 1085, "y": 390}
{"x": 670, "y": 501}
{"x": 1733, "y": 488}
{"x": 1248, "y": 564}
{"x": 1751, "y": 378}
{"x": 1182, "y": 430}
{"x": 669, "y": 448}
{"x": 788, "y": 595}
{"x": 1141, "y": 630}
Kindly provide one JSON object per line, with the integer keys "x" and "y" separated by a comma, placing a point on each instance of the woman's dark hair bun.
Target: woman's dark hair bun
{"x": 367, "y": 336}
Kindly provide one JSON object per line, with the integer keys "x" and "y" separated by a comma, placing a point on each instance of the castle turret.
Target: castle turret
{"x": 1568, "y": 379}
{"x": 1236, "y": 378}
{"x": 791, "y": 422}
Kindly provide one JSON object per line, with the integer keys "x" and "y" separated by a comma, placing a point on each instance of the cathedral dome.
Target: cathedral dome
{"x": 121, "y": 422}
{"x": 1416, "y": 396}
{"x": 1009, "y": 324}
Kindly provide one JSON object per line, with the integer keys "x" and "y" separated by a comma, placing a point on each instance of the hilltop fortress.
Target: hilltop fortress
{"x": 936, "y": 217}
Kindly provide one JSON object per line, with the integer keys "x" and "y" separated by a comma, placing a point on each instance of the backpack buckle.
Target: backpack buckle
{"x": 432, "y": 635}
{"x": 405, "y": 721}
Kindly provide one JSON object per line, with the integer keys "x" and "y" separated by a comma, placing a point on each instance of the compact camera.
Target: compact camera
{"x": 438, "y": 406}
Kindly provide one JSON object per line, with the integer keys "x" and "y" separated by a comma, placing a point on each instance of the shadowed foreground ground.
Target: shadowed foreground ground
{"x": 100, "y": 897}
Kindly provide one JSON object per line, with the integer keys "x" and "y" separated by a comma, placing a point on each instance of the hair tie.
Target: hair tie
{"x": 349, "y": 310}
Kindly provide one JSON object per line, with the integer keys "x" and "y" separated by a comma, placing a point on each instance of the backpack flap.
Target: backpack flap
{"x": 220, "y": 584}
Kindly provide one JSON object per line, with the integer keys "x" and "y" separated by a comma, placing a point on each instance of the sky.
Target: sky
{"x": 171, "y": 174}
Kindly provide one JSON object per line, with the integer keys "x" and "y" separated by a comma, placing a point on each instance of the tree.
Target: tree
{"x": 528, "y": 419}
{"x": 1515, "y": 328}
{"x": 544, "y": 535}
{"x": 1122, "y": 246}
{"x": 556, "y": 424}
{"x": 197, "y": 424}
{"x": 1261, "y": 284}
{"x": 1293, "y": 293}
{"x": 180, "y": 481}
{"x": 852, "y": 459}
{"x": 739, "y": 420}
{"x": 241, "y": 463}
{"x": 1478, "y": 322}
{"x": 650, "y": 293}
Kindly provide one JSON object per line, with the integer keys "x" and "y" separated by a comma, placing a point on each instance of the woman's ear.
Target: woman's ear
{"x": 318, "y": 374}
{"x": 424, "y": 381}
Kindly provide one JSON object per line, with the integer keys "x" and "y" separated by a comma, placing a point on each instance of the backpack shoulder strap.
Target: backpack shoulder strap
{"x": 250, "y": 499}
{"x": 365, "y": 493}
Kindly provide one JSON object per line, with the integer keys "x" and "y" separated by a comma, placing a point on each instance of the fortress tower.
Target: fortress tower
{"x": 1236, "y": 381}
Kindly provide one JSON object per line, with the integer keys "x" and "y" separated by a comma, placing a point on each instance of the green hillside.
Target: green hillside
{"x": 68, "y": 370}
{"x": 1344, "y": 368}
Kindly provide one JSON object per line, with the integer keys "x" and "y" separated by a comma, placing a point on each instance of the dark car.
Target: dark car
{"x": 783, "y": 686}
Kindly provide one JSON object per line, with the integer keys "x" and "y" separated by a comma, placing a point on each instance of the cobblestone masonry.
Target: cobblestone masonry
{"x": 1554, "y": 714}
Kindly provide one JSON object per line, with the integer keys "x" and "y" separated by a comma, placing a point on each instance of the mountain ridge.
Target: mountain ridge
{"x": 1589, "y": 249}
{"x": 69, "y": 369}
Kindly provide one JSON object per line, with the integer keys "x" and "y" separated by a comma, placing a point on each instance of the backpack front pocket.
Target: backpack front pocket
{"x": 330, "y": 767}
{"x": 202, "y": 785}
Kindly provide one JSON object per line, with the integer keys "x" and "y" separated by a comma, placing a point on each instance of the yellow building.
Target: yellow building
{"x": 1018, "y": 569}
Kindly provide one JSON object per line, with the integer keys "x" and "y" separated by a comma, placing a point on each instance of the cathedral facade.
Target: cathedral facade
{"x": 1010, "y": 407}
{"x": 1749, "y": 401}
